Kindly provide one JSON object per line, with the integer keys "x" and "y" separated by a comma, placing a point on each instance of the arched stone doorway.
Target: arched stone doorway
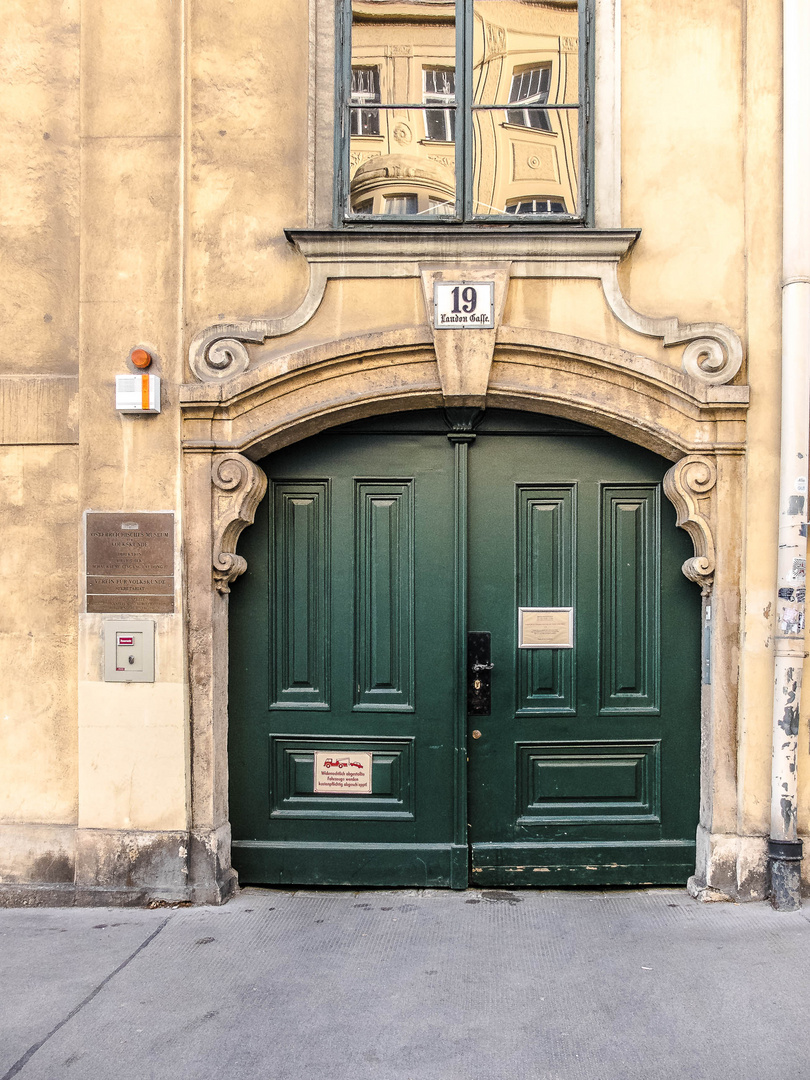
{"x": 228, "y": 426}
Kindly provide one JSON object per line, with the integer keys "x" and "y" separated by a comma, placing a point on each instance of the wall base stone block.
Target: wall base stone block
{"x": 730, "y": 867}
{"x": 62, "y": 866}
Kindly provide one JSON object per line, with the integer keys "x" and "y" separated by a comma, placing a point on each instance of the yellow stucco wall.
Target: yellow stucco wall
{"x": 153, "y": 155}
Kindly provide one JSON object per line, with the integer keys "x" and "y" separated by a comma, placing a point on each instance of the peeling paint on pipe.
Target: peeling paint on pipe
{"x": 784, "y": 848}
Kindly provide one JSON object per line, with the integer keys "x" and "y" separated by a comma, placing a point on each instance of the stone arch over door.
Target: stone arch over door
{"x": 228, "y": 426}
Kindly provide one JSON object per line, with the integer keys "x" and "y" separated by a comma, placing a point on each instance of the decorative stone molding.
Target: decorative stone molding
{"x": 687, "y": 485}
{"x": 713, "y": 353}
{"x": 464, "y": 359}
{"x": 219, "y": 352}
{"x": 239, "y": 486}
{"x": 316, "y": 386}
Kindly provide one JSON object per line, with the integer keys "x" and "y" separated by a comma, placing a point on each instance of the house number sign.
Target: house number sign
{"x": 545, "y": 628}
{"x": 464, "y": 305}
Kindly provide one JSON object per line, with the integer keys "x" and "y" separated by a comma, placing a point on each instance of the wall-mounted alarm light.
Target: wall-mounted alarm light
{"x": 137, "y": 393}
{"x": 141, "y": 359}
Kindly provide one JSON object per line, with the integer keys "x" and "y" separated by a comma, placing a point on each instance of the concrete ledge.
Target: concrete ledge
{"x": 40, "y": 853}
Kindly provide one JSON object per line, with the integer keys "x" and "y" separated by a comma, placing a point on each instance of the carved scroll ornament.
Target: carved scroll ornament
{"x": 687, "y": 485}
{"x": 239, "y": 486}
{"x": 713, "y": 353}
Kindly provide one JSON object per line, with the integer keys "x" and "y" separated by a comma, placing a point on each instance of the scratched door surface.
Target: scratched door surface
{"x": 586, "y": 772}
{"x": 342, "y": 642}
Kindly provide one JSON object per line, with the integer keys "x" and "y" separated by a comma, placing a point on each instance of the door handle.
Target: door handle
{"x": 479, "y": 666}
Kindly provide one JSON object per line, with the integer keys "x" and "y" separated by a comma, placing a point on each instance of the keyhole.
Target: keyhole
{"x": 131, "y": 659}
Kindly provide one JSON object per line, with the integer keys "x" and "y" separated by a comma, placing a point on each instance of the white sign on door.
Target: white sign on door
{"x": 349, "y": 773}
{"x": 464, "y": 305}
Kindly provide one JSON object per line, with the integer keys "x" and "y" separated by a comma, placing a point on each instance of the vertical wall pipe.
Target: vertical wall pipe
{"x": 784, "y": 847}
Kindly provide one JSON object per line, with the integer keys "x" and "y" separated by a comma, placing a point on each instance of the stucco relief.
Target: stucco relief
{"x": 688, "y": 485}
{"x": 712, "y": 354}
{"x": 238, "y": 488}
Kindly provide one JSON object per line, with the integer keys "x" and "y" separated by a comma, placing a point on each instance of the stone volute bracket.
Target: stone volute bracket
{"x": 712, "y": 354}
{"x": 238, "y": 486}
{"x": 688, "y": 485}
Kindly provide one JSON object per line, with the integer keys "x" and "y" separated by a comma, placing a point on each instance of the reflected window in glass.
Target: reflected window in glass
{"x": 535, "y": 206}
{"x": 365, "y": 92}
{"x": 530, "y": 87}
{"x": 440, "y": 89}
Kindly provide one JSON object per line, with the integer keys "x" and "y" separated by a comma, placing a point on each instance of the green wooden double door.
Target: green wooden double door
{"x": 379, "y": 546}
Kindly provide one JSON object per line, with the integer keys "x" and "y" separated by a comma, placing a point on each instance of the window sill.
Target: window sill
{"x": 427, "y": 242}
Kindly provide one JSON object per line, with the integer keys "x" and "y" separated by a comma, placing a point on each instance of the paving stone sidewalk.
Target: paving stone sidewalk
{"x": 408, "y": 985}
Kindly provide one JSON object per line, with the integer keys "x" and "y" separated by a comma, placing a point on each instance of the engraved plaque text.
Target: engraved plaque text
{"x": 130, "y": 563}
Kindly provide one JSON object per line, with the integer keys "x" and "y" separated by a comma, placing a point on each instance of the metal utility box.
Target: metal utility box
{"x": 129, "y": 650}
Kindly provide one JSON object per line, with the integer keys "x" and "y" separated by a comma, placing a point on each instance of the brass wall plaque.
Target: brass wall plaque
{"x": 545, "y": 628}
{"x": 130, "y": 563}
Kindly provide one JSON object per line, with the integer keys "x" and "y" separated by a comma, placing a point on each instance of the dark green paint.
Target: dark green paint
{"x": 546, "y": 560}
{"x": 389, "y": 541}
{"x": 624, "y": 765}
{"x": 382, "y": 589}
{"x": 300, "y": 559}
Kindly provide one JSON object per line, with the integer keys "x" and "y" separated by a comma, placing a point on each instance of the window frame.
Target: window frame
{"x": 343, "y": 216}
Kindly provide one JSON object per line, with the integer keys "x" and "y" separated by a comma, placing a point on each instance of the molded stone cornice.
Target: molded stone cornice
{"x": 713, "y": 352}
{"x": 316, "y": 386}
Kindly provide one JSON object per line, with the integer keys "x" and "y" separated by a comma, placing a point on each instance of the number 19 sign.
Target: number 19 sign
{"x": 464, "y": 305}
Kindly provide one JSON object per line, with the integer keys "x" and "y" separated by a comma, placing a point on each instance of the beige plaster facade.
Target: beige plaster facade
{"x": 167, "y": 184}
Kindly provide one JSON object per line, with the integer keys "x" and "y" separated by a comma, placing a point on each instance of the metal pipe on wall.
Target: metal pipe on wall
{"x": 784, "y": 846}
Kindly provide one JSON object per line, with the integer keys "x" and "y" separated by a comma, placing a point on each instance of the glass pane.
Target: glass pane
{"x": 402, "y": 108}
{"x": 541, "y": 173}
{"x": 526, "y": 154}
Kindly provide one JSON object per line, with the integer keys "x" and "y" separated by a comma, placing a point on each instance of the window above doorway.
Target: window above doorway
{"x": 458, "y": 111}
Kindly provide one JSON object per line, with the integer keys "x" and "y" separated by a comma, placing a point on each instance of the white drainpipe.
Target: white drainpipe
{"x": 785, "y": 848}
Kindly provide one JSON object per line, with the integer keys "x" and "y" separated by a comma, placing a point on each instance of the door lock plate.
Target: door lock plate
{"x": 479, "y": 673}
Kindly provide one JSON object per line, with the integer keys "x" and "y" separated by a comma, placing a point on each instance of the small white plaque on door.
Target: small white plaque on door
{"x": 545, "y": 628}
{"x": 464, "y": 305}
{"x": 346, "y": 773}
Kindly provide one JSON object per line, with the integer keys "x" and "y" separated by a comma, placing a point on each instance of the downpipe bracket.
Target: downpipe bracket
{"x": 785, "y": 866}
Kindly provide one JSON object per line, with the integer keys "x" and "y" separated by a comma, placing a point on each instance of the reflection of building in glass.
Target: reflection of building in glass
{"x": 525, "y": 155}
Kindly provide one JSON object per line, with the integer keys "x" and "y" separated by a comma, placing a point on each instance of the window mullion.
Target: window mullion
{"x": 464, "y": 127}
{"x": 343, "y": 80}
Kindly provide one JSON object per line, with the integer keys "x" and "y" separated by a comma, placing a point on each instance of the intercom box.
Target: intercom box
{"x": 129, "y": 650}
